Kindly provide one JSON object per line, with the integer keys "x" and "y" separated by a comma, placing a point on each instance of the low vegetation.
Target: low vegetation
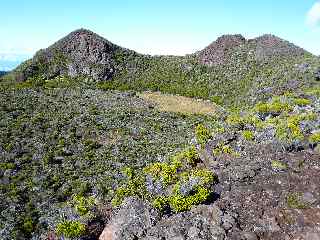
{"x": 79, "y": 140}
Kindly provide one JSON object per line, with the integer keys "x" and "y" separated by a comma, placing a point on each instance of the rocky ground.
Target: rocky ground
{"x": 260, "y": 202}
{"x": 268, "y": 185}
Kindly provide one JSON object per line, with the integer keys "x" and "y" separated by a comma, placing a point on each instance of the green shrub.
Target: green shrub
{"x": 70, "y": 229}
{"x": 6, "y": 166}
{"x": 222, "y": 148}
{"x": 217, "y": 100}
{"x": 181, "y": 203}
{"x": 262, "y": 107}
{"x": 276, "y": 106}
{"x": 9, "y": 146}
{"x": 202, "y": 134}
{"x": 160, "y": 203}
{"x": 315, "y": 138}
{"x": 313, "y": 91}
{"x": 192, "y": 156}
{"x": 302, "y": 101}
{"x": 28, "y": 225}
{"x": 205, "y": 175}
{"x": 293, "y": 124}
{"x": 80, "y": 188}
{"x": 22, "y": 85}
{"x": 235, "y": 120}
{"x": 134, "y": 186}
{"x": 172, "y": 175}
{"x": 279, "y": 165}
{"x": 294, "y": 201}
{"x": 82, "y": 204}
{"x": 288, "y": 127}
{"x": 91, "y": 144}
{"x": 164, "y": 171}
{"x": 248, "y": 135}
{"x": 188, "y": 156}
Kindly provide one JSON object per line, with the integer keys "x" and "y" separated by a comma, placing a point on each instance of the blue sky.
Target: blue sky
{"x": 155, "y": 26}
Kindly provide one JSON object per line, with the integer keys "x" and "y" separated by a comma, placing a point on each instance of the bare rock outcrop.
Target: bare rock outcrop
{"x": 231, "y": 48}
{"x": 270, "y": 46}
{"x": 137, "y": 220}
{"x": 130, "y": 221}
{"x": 216, "y": 52}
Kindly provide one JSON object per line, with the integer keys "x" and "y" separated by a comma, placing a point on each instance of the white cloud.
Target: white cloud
{"x": 313, "y": 16}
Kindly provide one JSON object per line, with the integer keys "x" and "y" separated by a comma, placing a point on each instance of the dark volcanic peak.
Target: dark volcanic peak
{"x": 215, "y": 53}
{"x": 83, "y": 41}
{"x": 269, "y": 45}
{"x": 80, "y": 53}
{"x": 264, "y": 48}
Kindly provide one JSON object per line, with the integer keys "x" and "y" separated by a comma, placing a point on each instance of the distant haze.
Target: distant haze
{"x": 9, "y": 61}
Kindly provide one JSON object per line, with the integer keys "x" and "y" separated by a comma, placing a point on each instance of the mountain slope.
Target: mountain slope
{"x": 231, "y": 70}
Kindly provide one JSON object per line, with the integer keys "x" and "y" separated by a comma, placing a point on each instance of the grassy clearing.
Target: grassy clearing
{"x": 179, "y": 104}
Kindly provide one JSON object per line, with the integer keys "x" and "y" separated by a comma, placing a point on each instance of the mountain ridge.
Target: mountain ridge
{"x": 231, "y": 68}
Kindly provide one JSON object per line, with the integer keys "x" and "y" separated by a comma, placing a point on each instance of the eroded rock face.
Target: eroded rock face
{"x": 202, "y": 222}
{"x": 137, "y": 220}
{"x": 130, "y": 221}
{"x": 272, "y": 203}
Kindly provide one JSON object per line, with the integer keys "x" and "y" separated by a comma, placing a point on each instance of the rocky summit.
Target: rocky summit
{"x": 101, "y": 142}
{"x": 82, "y": 52}
{"x": 263, "y": 48}
{"x": 216, "y": 52}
